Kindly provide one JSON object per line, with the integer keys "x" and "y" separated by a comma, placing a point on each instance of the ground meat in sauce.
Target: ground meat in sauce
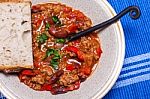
{"x": 60, "y": 67}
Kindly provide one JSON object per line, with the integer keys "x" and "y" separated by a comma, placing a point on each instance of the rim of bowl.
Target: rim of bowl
{"x": 121, "y": 55}
{"x": 119, "y": 63}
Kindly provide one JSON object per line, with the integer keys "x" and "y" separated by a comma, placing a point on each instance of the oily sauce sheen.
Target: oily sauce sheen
{"x": 60, "y": 67}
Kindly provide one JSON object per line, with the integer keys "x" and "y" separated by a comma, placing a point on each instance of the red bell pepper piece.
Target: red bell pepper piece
{"x": 46, "y": 87}
{"x": 72, "y": 49}
{"x": 80, "y": 55}
{"x": 27, "y": 72}
{"x": 76, "y": 51}
{"x": 70, "y": 67}
{"x": 98, "y": 51}
{"x": 72, "y": 28}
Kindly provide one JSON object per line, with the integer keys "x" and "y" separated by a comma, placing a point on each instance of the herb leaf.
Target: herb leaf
{"x": 56, "y": 53}
{"x": 49, "y": 52}
{"x": 54, "y": 61}
{"x": 56, "y": 20}
{"x": 56, "y": 57}
{"x": 54, "y": 64}
{"x": 60, "y": 40}
{"x": 42, "y": 38}
{"x": 47, "y": 26}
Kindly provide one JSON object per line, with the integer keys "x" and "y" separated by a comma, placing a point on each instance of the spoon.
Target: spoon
{"x": 134, "y": 14}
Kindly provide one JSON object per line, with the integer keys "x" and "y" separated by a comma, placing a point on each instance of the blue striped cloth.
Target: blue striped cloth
{"x": 134, "y": 80}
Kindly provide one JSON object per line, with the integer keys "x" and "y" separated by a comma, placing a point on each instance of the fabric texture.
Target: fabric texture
{"x": 134, "y": 80}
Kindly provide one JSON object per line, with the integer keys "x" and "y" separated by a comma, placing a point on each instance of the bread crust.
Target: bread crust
{"x": 15, "y": 67}
{"x": 15, "y": 1}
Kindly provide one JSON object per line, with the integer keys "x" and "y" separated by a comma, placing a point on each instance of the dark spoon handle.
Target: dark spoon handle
{"x": 134, "y": 14}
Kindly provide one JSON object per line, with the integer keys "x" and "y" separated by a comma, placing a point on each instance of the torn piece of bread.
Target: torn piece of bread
{"x": 15, "y": 36}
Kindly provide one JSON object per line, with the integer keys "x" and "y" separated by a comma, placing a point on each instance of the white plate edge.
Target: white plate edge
{"x": 121, "y": 54}
{"x": 113, "y": 79}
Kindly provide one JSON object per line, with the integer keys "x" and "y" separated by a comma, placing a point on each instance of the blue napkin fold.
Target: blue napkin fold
{"x": 134, "y": 80}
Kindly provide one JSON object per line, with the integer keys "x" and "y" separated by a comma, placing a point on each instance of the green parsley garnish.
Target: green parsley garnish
{"x": 54, "y": 61}
{"x": 49, "y": 52}
{"x": 56, "y": 20}
{"x": 56, "y": 57}
{"x": 56, "y": 53}
{"x": 60, "y": 40}
{"x": 47, "y": 26}
{"x": 42, "y": 38}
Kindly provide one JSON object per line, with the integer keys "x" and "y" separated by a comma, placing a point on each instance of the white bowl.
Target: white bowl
{"x": 109, "y": 67}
